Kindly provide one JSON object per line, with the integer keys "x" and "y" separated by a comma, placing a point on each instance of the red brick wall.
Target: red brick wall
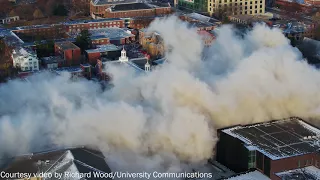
{"x": 98, "y": 9}
{"x": 315, "y": 2}
{"x": 72, "y": 56}
{"x": 293, "y": 163}
{"x": 92, "y": 57}
{"x": 101, "y": 41}
{"x": 138, "y": 13}
{"x": 87, "y": 26}
{"x": 292, "y": 6}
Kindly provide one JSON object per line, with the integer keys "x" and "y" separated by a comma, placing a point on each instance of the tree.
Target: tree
{"x": 44, "y": 50}
{"x": 37, "y": 14}
{"x": 60, "y": 10}
{"x": 83, "y": 40}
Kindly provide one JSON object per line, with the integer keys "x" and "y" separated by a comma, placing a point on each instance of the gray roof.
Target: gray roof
{"x": 104, "y": 2}
{"x": 309, "y": 172}
{"x": 81, "y": 160}
{"x": 278, "y": 139}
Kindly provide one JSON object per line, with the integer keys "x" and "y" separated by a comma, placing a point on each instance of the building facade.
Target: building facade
{"x": 25, "y": 59}
{"x": 225, "y": 7}
{"x": 270, "y": 147}
{"x": 136, "y": 10}
{"x": 69, "y": 52}
{"x": 236, "y": 7}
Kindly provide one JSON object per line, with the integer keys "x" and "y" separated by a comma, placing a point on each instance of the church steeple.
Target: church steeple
{"x": 147, "y": 66}
{"x": 123, "y": 57}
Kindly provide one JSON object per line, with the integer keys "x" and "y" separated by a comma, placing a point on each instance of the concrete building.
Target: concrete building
{"x": 227, "y": 7}
{"x": 25, "y": 59}
{"x": 69, "y": 52}
{"x": 82, "y": 160}
{"x": 270, "y": 147}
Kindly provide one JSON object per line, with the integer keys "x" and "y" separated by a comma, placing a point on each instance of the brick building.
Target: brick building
{"x": 98, "y": 7}
{"x": 152, "y": 43}
{"x": 69, "y": 52}
{"x": 78, "y": 26}
{"x": 313, "y": 2}
{"x": 137, "y": 10}
{"x": 109, "y": 51}
{"x": 207, "y": 38}
{"x": 58, "y": 31}
{"x": 271, "y": 147}
{"x": 293, "y": 6}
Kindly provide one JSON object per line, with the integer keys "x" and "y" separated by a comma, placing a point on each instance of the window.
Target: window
{"x": 30, "y": 59}
{"x": 252, "y": 159}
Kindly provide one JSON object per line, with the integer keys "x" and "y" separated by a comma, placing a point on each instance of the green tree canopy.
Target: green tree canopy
{"x": 60, "y": 10}
{"x": 83, "y": 40}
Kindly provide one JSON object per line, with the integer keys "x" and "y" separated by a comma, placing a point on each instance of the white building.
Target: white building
{"x": 5, "y": 20}
{"x": 25, "y": 59}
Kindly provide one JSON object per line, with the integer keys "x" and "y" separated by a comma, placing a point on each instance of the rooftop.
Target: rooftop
{"x": 309, "y": 172}
{"x": 75, "y": 160}
{"x": 66, "y": 45}
{"x": 104, "y": 2}
{"x": 111, "y": 33}
{"x": 69, "y": 69}
{"x": 129, "y": 7}
{"x": 253, "y": 175}
{"x": 278, "y": 139}
{"x": 91, "y": 21}
{"x": 217, "y": 170}
{"x": 104, "y": 48}
{"x": 52, "y": 59}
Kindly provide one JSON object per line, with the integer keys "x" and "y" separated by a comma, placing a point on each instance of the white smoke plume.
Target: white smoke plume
{"x": 165, "y": 120}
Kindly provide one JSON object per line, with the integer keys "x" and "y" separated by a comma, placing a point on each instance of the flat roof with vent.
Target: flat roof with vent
{"x": 305, "y": 173}
{"x": 278, "y": 139}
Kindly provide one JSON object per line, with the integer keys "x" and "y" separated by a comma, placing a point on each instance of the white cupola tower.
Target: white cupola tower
{"x": 123, "y": 57}
{"x": 147, "y": 66}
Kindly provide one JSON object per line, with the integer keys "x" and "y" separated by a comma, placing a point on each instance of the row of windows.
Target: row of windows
{"x": 233, "y": 5}
{"x": 96, "y": 24}
{"x": 236, "y": 8}
{"x": 252, "y": 159}
{"x": 226, "y": 1}
{"x": 29, "y": 68}
{"x": 70, "y": 30}
{"x": 307, "y": 162}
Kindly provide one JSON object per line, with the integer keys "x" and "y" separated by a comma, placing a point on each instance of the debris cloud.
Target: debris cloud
{"x": 167, "y": 119}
